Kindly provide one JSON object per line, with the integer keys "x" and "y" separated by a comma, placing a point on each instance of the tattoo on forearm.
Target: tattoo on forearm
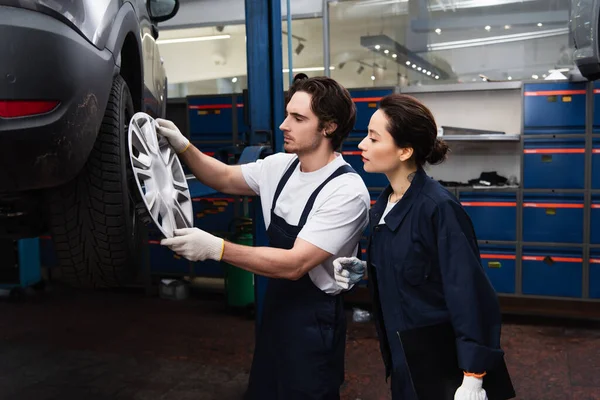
{"x": 411, "y": 176}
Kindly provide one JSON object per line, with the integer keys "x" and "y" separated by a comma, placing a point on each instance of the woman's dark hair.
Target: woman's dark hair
{"x": 330, "y": 102}
{"x": 411, "y": 124}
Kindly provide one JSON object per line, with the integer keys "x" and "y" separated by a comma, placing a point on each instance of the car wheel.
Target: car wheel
{"x": 93, "y": 220}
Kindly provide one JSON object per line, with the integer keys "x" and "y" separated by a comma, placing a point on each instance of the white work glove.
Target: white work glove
{"x": 347, "y": 271}
{"x": 195, "y": 244}
{"x": 169, "y": 130}
{"x": 471, "y": 389}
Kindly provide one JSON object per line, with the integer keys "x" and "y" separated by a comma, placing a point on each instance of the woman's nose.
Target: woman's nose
{"x": 361, "y": 145}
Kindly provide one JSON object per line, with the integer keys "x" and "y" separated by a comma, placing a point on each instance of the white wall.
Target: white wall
{"x": 498, "y": 110}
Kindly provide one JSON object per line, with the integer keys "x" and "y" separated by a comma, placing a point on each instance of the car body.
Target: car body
{"x": 60, "y": 62}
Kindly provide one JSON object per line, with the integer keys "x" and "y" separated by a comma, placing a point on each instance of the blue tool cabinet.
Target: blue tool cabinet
{"x": 595, "y": 274}
{"x": 595, "y": 220}
{"x": 555, "y": 218}
{"x": 557, "y": 107}
{"x": 554, "y": 164}
{"x": 494, "y": 215}
{"x": 552, "y": 272}
{"x": 596, "y": 164}
{"x": 499, "y": 263}
{"x": 367, "y": 102}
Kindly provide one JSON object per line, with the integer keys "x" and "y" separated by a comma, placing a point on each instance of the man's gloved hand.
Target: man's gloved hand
{"x": 471, "y": 389}
{"x": 348, "y": 271}
{"x": 195, "y": 244}
{"x": 169, "y": 130}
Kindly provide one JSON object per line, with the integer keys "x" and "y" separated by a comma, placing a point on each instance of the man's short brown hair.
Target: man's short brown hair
{"x": 330, "y": 102}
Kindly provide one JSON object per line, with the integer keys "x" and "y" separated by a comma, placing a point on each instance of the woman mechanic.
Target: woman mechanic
{"x": 437, "y": 316}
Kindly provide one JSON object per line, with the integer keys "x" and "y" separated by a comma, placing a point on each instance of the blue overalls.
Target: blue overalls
{"x": 300, "y": 347}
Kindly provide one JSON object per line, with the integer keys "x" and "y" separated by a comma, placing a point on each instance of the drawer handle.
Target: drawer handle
{"x": 546, "y": 157}
{"x": 548, "y": 260}
{"x": 494, "y": 264}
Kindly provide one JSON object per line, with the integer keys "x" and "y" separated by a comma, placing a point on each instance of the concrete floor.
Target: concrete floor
{"x": 67, "y": 344}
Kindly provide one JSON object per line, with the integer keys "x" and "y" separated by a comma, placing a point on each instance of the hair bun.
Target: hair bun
{"x": 299, "y": 77}
{"x": 438, "y": 153}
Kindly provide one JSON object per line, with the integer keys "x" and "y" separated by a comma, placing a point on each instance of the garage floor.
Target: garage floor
{"x": 98, "y": 345}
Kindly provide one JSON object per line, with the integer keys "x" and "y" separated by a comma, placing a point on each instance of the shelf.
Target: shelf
{"x": 508, "y": 189}
{"x": 462, "y": 87}
{"x": 480, "y": 138}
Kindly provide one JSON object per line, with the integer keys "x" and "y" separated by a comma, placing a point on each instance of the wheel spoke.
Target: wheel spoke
{"x": 139, "y": 139}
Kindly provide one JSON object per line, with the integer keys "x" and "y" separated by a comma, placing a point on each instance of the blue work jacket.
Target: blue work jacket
{"x": 426, "y": 278}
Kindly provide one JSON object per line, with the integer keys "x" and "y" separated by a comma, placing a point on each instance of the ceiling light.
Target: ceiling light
{"x": 509, "y": 78}
{"x": 372, "y": 77}
{"x": 234, "y": 79}
{"x": 438, "y": 31}
{"x": 534, "y": 76}
{"x": 192, "y": 39}
{"x": 506, "y": 26}
{"x": 307, "y": 69}
{"x": 424, "y": 71}
{"x": 540, "y": 24}
{"x": 418, "y": 68}
{"x": 408, "y": 63}
{"x": 488, "y": 28}
{"x": 516, "y": 37}
{"x": 414, "y": 65}
{"x": 428, "y": 72}
{"x": 394, "y": 56}
{"x": 377, "y": 47}
{"x": 386, "y": 51}
{"x": 544, "y": 75}
{"x": 437, "y": 77}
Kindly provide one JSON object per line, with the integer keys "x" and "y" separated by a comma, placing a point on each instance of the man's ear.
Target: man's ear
{"x": 330, "y": 127}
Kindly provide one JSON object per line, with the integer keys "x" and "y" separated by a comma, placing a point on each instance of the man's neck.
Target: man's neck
{"x": 315, "y": 160}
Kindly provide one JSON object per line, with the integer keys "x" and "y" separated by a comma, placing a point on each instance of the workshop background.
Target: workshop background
{"x": 524, "y": 131}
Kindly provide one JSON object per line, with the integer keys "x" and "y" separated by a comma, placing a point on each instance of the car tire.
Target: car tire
{"x": 93, "y": 221}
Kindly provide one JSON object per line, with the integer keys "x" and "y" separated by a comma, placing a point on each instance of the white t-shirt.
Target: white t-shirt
{"x": 337, "y": 219}
{"x": 387, "y": 210}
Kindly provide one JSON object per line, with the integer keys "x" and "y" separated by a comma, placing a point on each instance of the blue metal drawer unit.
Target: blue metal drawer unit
{"x": 494, "y": 215}
{"x": 552, "y": 272}
{"x": 595, "y": 220}
{"x": 596, "y": 123}
{"x": 499, "y": 263}
{"x": 595, "y": 274}
{"x": 554, "y": 164}
{"x": 554, "y": 108}
{"x": 596, "y": 164}
{"x": 554, "y": 218}
{"x": 211, "y": 120}
{"x": 367, "y": 102}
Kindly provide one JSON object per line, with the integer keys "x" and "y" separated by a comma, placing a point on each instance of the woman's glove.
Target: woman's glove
{"x": 471, "y": 389}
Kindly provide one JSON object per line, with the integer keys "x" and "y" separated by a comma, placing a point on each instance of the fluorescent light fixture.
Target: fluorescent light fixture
{"x": 192, "y": 39}
{"x": 307, "y": 69}
{"x": 497, "y": 39}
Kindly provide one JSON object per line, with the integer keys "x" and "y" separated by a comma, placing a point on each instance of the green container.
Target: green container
{"x": 239, "y": 283}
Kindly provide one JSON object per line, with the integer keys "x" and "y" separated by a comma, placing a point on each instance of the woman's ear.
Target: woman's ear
{"x": 405, "y": 153}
